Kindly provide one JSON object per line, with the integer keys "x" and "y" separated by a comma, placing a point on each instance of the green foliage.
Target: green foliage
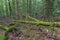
{"x": 34, "y": 8}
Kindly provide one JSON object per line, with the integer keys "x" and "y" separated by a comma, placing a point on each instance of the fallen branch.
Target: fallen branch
{"x": 33, "y": 19}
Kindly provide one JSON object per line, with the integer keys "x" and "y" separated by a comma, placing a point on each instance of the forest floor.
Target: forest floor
{"x": 30, "y": 32}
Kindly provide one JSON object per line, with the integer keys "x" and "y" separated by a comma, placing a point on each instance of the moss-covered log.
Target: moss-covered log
{"x": 7, "y": 28}
{"x": 54, "y": 24}
{"x": 38, "y": 22}
{"x": 35, "y": 22}
{"x": 4, "y": 28}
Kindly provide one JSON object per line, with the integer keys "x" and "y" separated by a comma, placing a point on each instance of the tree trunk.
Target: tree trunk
{"x": 48, "y": 9}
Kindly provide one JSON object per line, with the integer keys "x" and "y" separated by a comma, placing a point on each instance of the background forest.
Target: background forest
{"x": 45, "y": 10}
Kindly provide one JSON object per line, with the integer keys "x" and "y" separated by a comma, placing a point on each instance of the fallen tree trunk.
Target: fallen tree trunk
{"x": 35, "y": 22}
{"x": 54, "y": 24}
{"x": 38, "y": 22}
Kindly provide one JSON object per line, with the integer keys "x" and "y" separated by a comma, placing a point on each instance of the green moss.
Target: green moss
{"x": 2, "y": 37}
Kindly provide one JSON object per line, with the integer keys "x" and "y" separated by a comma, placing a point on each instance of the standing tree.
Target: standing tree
{"x": 49, "y": 4}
